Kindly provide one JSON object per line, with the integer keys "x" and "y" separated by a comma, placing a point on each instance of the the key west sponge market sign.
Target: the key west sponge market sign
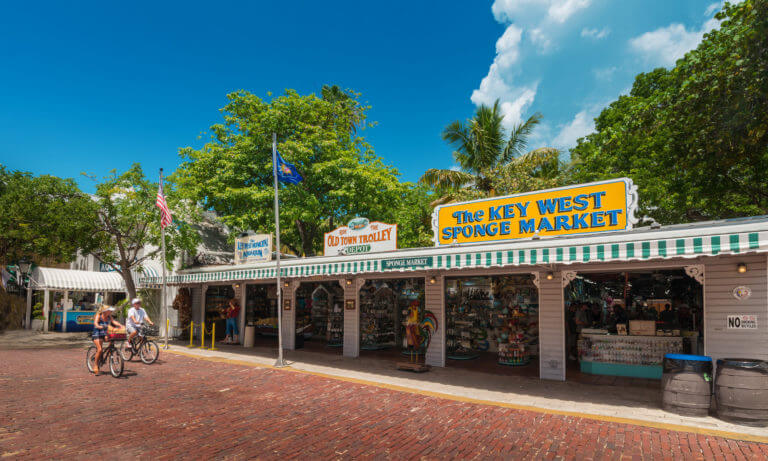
{"x": 584, "y": 208}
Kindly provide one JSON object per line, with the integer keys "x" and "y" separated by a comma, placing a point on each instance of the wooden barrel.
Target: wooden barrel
{"x": 741, "y": 391}
{"x": 687, "y": 384}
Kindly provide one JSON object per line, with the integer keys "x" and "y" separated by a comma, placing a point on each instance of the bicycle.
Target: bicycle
{"x": 108, "y": 354}
{"x": 147, "y": 349}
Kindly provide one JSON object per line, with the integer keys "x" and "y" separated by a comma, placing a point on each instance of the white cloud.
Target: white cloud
{"x": 581, "y": 125}
{"x": 560, "y": 10}
{"x": 605, "y": 73}
{"x": 532, "y": 20}
{"x": 595, "y": 33}
{"x": 665, "y": 45}
{"x": 712, "y": 8}
{"x": 553, "y": 10}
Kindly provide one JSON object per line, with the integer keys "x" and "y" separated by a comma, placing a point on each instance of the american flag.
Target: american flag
{"x": 166, "y": 219}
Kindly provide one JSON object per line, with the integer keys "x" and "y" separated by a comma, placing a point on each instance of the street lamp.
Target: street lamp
{"x": 24, "y": 265}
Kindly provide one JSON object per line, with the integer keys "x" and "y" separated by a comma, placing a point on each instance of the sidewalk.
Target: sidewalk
{"x": 633, "y": 405}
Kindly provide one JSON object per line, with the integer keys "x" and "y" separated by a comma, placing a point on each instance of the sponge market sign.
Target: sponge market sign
{"x": 361, "y": 236}
{"x": 585, "y": 208}
{"x": 252, "y": 248}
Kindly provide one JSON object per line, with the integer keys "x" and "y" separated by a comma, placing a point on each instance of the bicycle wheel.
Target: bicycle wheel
{"x": 126, "y": 351}
{"x": 115, "y": 363}
{"x": 90, "y": 358}
{"x": 149, "y": 352}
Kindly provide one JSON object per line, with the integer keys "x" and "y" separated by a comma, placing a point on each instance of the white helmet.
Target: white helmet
{"x": 135, "y": 301}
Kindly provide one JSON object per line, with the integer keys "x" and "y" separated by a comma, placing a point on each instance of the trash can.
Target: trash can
{"x": 741, "y": 391}
{"x": 249, "y": 336}
{"x": 686, "y": 384}
{"x": 299, "y": 342}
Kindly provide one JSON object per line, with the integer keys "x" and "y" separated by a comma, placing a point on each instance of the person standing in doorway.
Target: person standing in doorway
{"x": 232, "y": 313}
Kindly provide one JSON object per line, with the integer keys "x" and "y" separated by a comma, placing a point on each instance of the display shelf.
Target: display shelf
{"x": 628, "y": 350}
{"x": 377, "y": 319}
{"x": 497, "y": 314}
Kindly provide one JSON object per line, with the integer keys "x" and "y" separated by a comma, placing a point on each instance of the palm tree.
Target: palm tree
{"x": 488, "y": 160}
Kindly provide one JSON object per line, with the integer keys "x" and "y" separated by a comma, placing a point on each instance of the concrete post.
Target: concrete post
{"x": 28, "y": 316}
{"x": 46, "y": 309}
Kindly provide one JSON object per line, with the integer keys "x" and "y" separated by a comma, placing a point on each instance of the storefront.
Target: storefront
{"x": 319, "y": 314}
{"x": 384, "y": 305}
{"x": 508, "y": 302}
{"x": 493, "y": 319}
{"x": 622, "y": 323}
{"x": 71, "y": 297}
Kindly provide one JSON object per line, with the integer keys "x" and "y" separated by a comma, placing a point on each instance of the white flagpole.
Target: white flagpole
{"x": 280, "y": 362}
{"x": 162, "y": 292}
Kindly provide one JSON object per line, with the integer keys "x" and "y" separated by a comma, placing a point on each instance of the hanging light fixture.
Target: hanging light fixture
{"x": 432, "y": 280}
{"x": 349, "y": 281}
{"x": 550, "y": 275}
{"x": 741, "y": 268}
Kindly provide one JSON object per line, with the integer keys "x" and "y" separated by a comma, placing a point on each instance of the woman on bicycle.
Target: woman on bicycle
{"x": 101, "y": 322}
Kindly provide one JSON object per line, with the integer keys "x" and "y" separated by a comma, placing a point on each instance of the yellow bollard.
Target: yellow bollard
{"x": 191, "y": 333}
{"x": 202, "y": 336}
{"x": 213, "y": 338}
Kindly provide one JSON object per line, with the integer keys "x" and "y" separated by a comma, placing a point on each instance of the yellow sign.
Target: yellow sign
{"x": 594, "y": 207}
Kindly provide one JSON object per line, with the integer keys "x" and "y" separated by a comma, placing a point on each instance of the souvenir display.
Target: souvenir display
{"x": 497, "y": 314}
{"x": 637, "y": 350}
{"x": 378, "y": 316}
{"x": 318, "y": 313}
{"x": 384, "y": 306}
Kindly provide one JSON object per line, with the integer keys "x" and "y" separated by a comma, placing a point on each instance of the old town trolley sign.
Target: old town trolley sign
{"x": 584, "y": 208}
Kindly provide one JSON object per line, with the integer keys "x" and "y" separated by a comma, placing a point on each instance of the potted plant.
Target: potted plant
{"x": 38, "y": 318}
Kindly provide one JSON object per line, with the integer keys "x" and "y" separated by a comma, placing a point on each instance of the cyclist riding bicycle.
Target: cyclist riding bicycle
{"x": 101, "y": 322}
{"x": 136, "y": 317}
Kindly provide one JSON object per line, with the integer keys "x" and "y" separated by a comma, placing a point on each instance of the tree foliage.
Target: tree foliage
{"x": 41, "y": 217}
{"x": 127, "y": 224}
{"x": 694, "y": 138}
{"x": 492, "y": 163}
{"x": 343, "y": 178}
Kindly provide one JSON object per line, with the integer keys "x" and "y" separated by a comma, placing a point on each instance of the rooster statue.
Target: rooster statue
{"x": 419, "y": 334}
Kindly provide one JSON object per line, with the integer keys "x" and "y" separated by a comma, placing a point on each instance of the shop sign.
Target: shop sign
{"x": 361, "y": 236}
{"x": 741, "y": 322}
{"x": 407, "y": 263}
{"x": 252, "y": 248}
{"x": 594, "y": 207}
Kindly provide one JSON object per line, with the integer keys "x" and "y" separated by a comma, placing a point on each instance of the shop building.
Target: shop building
{"x": 507, "y": 303}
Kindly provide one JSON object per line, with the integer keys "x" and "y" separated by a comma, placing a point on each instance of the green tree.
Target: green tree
{"x": 343, "y": 178}
{"x": 41, "y": 217}
{"x": 694, "y": 138}
{"x": 490, "y": 162}
{"x": 127, "y": 231}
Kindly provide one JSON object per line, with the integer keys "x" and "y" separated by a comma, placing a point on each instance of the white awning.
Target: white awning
{"x": 48, "y": 278}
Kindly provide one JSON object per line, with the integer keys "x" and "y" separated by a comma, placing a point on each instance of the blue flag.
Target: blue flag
{"x": 287, "y": 172}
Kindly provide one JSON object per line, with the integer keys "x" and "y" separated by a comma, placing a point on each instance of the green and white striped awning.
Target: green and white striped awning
{"x": 637, "y": 245}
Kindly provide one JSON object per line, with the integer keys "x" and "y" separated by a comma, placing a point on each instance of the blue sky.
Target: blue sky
{"x": 87, "y": 87}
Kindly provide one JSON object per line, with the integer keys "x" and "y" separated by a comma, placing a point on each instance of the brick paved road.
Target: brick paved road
{"x": 185, "y": 407}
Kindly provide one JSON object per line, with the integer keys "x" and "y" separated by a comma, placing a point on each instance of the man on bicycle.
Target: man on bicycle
{"x": 136, "y": 317}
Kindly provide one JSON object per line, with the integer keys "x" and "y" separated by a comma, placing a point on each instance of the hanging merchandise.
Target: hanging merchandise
{"x": 377, "y": 317}
{"x": 496, "y": 314}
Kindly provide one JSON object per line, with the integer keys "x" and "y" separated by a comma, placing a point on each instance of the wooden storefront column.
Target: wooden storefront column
{"x": 552, "y": 326}
{"x": 434, "y": 295}
{"x": 46, "y": 309}
{"x": 352, "y": 317}
{"x": 289, "y": 316}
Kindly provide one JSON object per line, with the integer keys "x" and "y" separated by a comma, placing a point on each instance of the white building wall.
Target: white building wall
{"x": 434, "y": 294}
{"x": 720, "y": 279}
{"x": 551, "y": 328}
{"x": 352, "y": 318}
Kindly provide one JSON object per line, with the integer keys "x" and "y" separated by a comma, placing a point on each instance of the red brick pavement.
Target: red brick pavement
{"x": 50, "y": 407}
